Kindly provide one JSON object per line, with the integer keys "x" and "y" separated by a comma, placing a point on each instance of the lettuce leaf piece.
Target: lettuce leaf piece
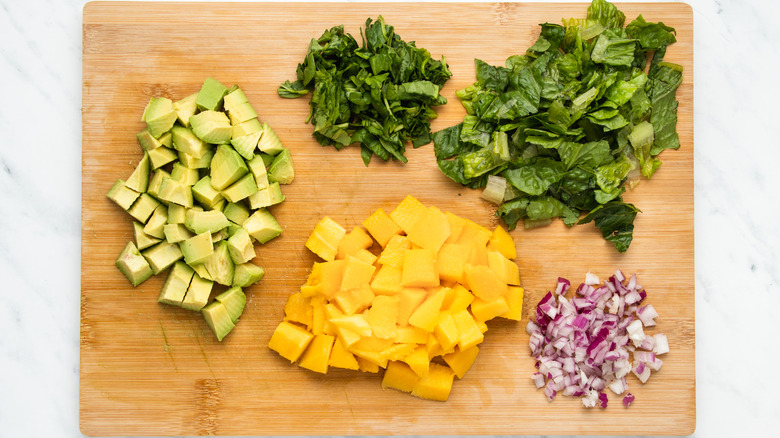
{"x": 568, "y": 120}
{"x": 615, "y": 219}
{"x": 535, "y": 177}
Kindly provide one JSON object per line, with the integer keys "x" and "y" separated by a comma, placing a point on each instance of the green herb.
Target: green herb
{"x": 570, "y": 123}
{"x": 378, "y": 94}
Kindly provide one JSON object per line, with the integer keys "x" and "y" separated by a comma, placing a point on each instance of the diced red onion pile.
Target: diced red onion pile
{"x": 585, "y": 344}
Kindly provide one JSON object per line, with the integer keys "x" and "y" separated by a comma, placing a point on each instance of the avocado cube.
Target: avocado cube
{"x": 154, "y": 226}
{"x": 175, "y": 233}
{"x": 197, "y": 249}
{"x": 269, "y": 142}
{"x": 139, "y": 179}
{"x": 210, "y": 95}
{"x": 196, "y": 163}
{"x": 218, "y": 319}
{"x": 122, "y": 195}
{"x": 143, "y": 208}
{"x": 175, "y": 287}
{"x": 267, "y": 159}
{"x": 234, "y": 301}
{"x": 133, "y": 265}
{"x": 202, "y": 272}
{"x": 240, "y": 247}
{"x": 246, "y": 144}
{"x": 186, "y": 108}
{"x": 154, "y": 185}
{"x": 183, "y": 174}
{"x": 233, "y": 228}
{"x": 241, "y": 113}
{"x": 198, "y": 293}
{"x": 161, "y": 156}
{"x": 236, "y": 213}
{"x": 166, "y": 139}
{"x": 233, "y": 98}
{"x": 248, "y": 127}
{"x": 205, "y": 193}
{"x": 201, "y": 221}
{"x": 147, "y": 140}
{"x": 174, "y": 192}
{"x": 257, "y": 167}
{"x": 240, "y": 189}
{"x": 159, "y": 116}
{"x": 281, "y": 169}
{"x": 212, "y": 127}
{"x": 247, "y": 274}
{"x": 142, "y": 240}
{"x": 220, "y": 265}
{"x": 176, "y": 213}
{"x": 262, "y": 226}
{"x": 162, "y": 255}
{"x": 227, "y": 167}
{"x": 220, "y": 235}
{"x": 184, "y": 140}
{"x": 266, "y": 197}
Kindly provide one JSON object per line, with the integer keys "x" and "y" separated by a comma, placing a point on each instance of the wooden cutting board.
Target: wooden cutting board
{"x": 151, "y": 369}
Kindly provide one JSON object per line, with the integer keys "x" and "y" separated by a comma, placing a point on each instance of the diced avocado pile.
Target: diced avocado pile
{"x": 200, "y": 199}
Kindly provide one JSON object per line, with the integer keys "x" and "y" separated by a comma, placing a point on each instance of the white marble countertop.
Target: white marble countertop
{"x": 736, "y": 215}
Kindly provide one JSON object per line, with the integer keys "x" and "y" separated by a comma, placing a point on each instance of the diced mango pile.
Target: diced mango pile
{"x": 418, "y": 309}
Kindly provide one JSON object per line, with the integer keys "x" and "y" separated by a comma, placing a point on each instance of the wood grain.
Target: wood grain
{"x": 150, "y": 369}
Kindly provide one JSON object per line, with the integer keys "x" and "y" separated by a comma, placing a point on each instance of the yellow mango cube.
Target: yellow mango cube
{"x": 514, "y": 299}
{"x": 393, "y": 254}
{"x": 325, "y": 238}
{"x": 418, "y": 360}
{"x": 460, "y": 298}
{"x": 504, "y": 268}
{"x": 407, "y": 213}
{"x": 325, "y": 278}
{"x": 354, "y": 241}
{"x": 431, "y": 230}
{"x": 502, "y": 242}
{"x": 474, "y": 234}
{"x": 460, "y": 361}
{"x": 318, "y": 315}
{"x": 484, "y": 283}
{"x": 382, "y": 316}
{"x": 409, "y": 299}
{"x": 387, "y": 281}
{"x": 456, "y": 227}
{"x": 478, "y": 255}
{"x": 298, "y": 309}
{"x": 366, "y": 366}
{"x": 347, "y": 337}
{"x": 317, "y": 354}
{"x": 381, "y": 227}
{"x": 289, "y": 340}
{"x": 468, "y": 330}
{"x": 433, "y": 347}
{"x": 365, "y": 256}
{"x": 340, "y": 357}
{"x": 410, "y": 335}
{"x": 353, "y": 301}
{"x": 355, "y": 323}
{"x": 400, "y": 376}
{"x": 331, "y": 311}
{"x": 436, "y": 385}
{"x": 451, "y": 260}
{"x": 487, "y": 310}
{"x": 446, "y": 331}
{"x": 356, "y": 273}
{"x": 419, "y": 269}
{"x": 397, "y": 351}
{"x": 426, "y": 315}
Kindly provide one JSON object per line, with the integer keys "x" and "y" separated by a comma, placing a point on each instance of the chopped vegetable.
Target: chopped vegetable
{"x": 378, "y": 94}
{"x": 198, "y": 208}
{"x": 427, "y": 295}
{"x": 583, "y": 345}
{"x": 571, "y": 123}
